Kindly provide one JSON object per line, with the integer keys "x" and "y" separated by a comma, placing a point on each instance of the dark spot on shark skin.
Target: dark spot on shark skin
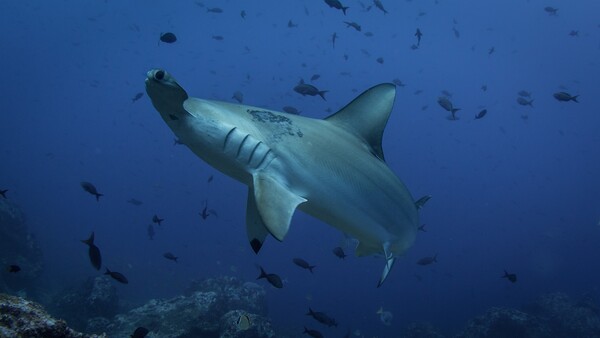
{"x": 284, "y": 123}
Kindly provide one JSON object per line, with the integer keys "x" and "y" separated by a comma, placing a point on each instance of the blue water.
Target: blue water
{"x": 509, "y": 192}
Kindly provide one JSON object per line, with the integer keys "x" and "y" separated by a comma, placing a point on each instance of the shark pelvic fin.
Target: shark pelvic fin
{"x": 367, "y": 115}
{"x": 255, "y": 227}
{"x": 275, "y": 204}
{"x": 389, "y": 262}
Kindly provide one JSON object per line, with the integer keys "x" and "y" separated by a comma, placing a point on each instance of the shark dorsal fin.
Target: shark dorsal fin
{"x": 367, "y": 115}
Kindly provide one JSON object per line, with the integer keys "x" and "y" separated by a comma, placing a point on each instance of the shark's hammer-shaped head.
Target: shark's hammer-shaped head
{"x": 166, "y": 94}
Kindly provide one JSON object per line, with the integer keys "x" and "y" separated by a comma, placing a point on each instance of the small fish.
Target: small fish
{"x": 117, "y": 276}
{"x": 243, "y": 14}
{"x": 510, "y": 276}
{"x": 551, "y": 10}
{"x": 90, "y": 188}
{"x": 13, "y": 268}
{"x": 243, "y": 323}
{"x": 150, "y": 231}
{"x": 379, "y": 5}
{"x": 484, "y": 88}
{"x": 380, "y": 60}
{"x": 333, "y": 38}
{"x": 421, "y": 201}
{"x": 303, "y": 264}
{"x": 353, "y": 25}
{"x": 157, "y": 220}
{"x": 170, "y": 256}
{"x": 272, "y": 278}
{"x": 291, "y": 110}
{"x": 422, "y": 228}
{"x": 238, "y": 96}
{"x": 339, "y": 252}
{"x": 3, "y": 193}
{"x": 315, "y": 77}
{"x": 491, "y": 50}
{"x": 368, "y": 34}
{"x": 322, "y": 318}
{"x": 313, "y": 333}
{"x": 456, "y": 32}
{"x": 445, "y": 103}
{"x": 565, "y": 97}
{"x": 168, "y": 37}
{"x": 418, "y": 34}
{"x": 137, "y": 97}
{"x": 524, "y": 93}
{"x": 291, "y": 24}
{"x": 427, "y": 260}
{"x": 93, "y": 252}
{"x": 308, "y": 89}
{"x": 337, "y": 5}
{"x": 481, "y": 114}
{"x": 218, "y": 37}
{"x": 524, "y": 102}
{"x": 574, "y": 33}
{"x": 140, "y": 332}
{"x": 135, "y": 202}
{"x": 207, "y": 212}
{"x": 398, "y": 82}
{"x": 214, "y": 10}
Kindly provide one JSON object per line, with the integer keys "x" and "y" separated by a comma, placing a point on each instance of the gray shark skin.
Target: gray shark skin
{"x": 332, "y": 169}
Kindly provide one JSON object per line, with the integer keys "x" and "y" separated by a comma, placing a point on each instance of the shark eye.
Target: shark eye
{"x": 159, "y": 75}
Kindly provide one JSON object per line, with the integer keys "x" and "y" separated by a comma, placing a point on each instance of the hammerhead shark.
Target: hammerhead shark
{"x": 332, "y": 169}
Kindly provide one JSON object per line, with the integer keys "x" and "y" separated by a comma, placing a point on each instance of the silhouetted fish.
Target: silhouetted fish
{"x": 14, "y": 268}
{"x": 170, "y": 256}
{"x": 313, "y": 333}
{"x": 322, "y": 318}
{"x": 339, "y": 252}
{"x": 303, "y": 264}
{"x": 308, "y": 89}
{"x": 291, "y": 110}
{"x": 565, "y": 97}
{"x": 524, "y": 102}
{"x": 168, "y": 37}
{"x": 510, "y": 276}
{"x": 422, "y": 228}
{"x": 157, "y": 220}
{"x": 353, "y": 25}
{"x": 481, "y": 114}
{"x": 140, "y": 332}
{"x": 337, "y": 5}
{"x": 135, "y": 202}
{"x": 421, "y": 201}
{"x": 272, "y": 278}
{"x": 117, "y": 276}
{"x": 93, "y": 252}
{"x": 90, "y": 188}
{"x": 214, "y": 10}
{"x": 427, "y": 260}
{"x": 137, "y": 97}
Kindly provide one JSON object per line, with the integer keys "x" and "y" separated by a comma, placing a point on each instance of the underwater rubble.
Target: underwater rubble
{"x": 23, "y": 318}
{"x": 88, "y": 307}
{"x": 17, "y": 247}
{"x": 210, "y": 308}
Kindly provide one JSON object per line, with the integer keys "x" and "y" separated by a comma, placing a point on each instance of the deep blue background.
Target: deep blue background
{"x": 508, "y": 192}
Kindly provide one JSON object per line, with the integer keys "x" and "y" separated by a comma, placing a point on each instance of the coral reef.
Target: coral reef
{"x": 17, "y": 247}
{"x": 23, "y": 318}
{"x": 501, "y": 322}
{"x": 94, "y": 301}
{"x": 210, "y": 308}
{"x": 421, "y": 330}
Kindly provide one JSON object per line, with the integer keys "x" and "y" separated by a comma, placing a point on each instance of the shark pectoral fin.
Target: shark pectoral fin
{"x": 275, "y": 204}
{"x": 386, "y": 269}
{"x": 255, "y": 227}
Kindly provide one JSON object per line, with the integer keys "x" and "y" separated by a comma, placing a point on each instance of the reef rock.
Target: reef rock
{"x": 93, "y": 302}
{"x": 210, "y": 308}
{"x": 421, "y": 330}
{"x": 501, "y": 322}
{"x": 567, "y": 317}
{"x": 17, "y": 247}
{"x": 23, "y": 318}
